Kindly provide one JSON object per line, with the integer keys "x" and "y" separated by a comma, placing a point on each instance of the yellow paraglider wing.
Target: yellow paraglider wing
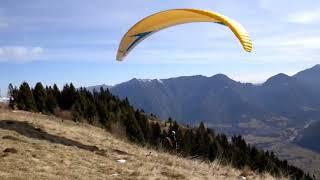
{"x": 165, "y": 19}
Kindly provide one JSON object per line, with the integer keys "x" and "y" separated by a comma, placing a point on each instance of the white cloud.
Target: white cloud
{"x": 67, "y": 54}
{"x": 291, "y": 41}
{"x": 19, "y": 53}
{"x": 293, "y": 48}
{"x": 305, "y": 17}
{"x": 303, "y": 41}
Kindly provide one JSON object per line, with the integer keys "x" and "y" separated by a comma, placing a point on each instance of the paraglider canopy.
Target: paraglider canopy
{"x": 168, "y": 18}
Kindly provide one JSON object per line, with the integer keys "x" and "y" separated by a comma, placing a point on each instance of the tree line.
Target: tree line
{"x": 101, "y": 108}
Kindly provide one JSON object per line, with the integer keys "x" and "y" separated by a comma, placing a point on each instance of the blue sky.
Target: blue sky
{"x": 76, "y": 41}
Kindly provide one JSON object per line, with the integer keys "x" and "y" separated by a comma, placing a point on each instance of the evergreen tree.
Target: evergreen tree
{"x": 56, "y": 93}
{"x": 51, "y": 101}
{"x": 68, "y": 97}
{"x": 213, "y": 153}
{"x": 202, "y": 140}
{"x": 39, "y": 95}
{"x": 189, "y": 142}
{"x": 13, "y": 96}
{"x": 91, "y": 111}
{"x": 144, "y": 124}
{"x": 134, "y": 132}
{"x": 76, "y": 111}
{"x": 156, "y": 133}
{"x": 25, "y": 98}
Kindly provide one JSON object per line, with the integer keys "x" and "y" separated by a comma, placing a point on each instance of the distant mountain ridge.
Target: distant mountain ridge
{"x": 310, "y": 76}
{"x": 279, "y": 107}
{"x": 219, "y": 98}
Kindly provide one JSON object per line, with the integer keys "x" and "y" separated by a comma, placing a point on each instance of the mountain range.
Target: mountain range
{"x": 280, "y": 107}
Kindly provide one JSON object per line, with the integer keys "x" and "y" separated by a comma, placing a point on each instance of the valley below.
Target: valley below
{"x": 281, "y": 139}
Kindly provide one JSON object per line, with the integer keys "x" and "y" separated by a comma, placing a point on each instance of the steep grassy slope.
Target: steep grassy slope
{"x": 35, "y": 146}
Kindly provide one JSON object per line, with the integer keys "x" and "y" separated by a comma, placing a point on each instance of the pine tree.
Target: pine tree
{"x": 39, "y": 95}
{"x": 143, "y": 123}
{"x": 134, "y": 132}
{"x": 189, "y": 142}
{"x": 13, "y": 96}
{"x": 91, "y": 112}
{"x": 202, "y": 140}
{"x": 213, "y": 151}
{"x": 68, "y": 97}
{"x": 155, "y": 133}
{"x": 25, "y": 98}
{"x": 76, "y": 112}
{"x": 56, "y": 94}
{"x": 51, "y": 101}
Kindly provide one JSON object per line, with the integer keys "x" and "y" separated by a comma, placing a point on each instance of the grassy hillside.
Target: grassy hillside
{"x": 36, "y": 146}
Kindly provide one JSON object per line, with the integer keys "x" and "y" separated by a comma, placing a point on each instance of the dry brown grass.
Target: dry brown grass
{"x": 64, "y": 114}
{"x": 3, "y": 106}
{"x": 44, "y": 147}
